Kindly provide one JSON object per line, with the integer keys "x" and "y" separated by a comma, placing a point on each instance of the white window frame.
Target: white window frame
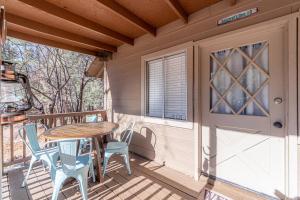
{"x": 188, "y": 123}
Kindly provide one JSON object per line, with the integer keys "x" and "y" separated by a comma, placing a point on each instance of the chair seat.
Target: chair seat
{"x": 50, "y": 151}
{"x": 116, "y": 145}
{"x": 82, "y": 161}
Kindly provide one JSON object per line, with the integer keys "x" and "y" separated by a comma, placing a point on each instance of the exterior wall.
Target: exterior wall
{"x": 178, "y": 148}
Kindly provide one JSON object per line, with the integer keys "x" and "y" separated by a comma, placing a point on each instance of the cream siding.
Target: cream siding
{"x": 172, "y": 146}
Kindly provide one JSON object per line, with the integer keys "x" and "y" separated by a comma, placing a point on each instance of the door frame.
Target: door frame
{"x": 289, "y": 24}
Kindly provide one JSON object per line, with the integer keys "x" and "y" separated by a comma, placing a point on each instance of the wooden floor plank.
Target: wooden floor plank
{"x": 136, "y": 177}
{"x": 170, "y": 177}
{"x": 15, "y": 179}
{"x": 169, "y": 189}
{"x": 5, "y": 188}
{"x": 43, "y": 177}
{"x": 100, "y": 191}
{"x": 136, "y": 187}
{"x": 149, "y": 181}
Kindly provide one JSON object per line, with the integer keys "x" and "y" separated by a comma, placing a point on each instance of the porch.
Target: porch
{"x": 164, "y": 72}
{"x": 149, "y": 180}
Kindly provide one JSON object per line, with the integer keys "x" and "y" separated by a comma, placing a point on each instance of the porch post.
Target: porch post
{"x": 292, "y": 168}
{"x": 197, "y": 116}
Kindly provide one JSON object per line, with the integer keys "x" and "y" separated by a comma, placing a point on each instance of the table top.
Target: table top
{"x": 81, "y": 130}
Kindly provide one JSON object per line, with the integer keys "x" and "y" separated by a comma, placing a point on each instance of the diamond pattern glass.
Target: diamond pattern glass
{"x": 222, "y": 55}
{"x": 252, "y": 79}
{"x": 213, "y": 67}
{"x": 252, "y": 109}
{"x": 221, "y": 81}
{"x": 262, "y": 59}
{"x": 236, "y": 63}
{"x": 241, "y": 77}
{"x": 251, "y": 50}
{"x": 236, "y": 97}
{"x": 222, "y": 108}
{"x": 261, "y": 97}
{"x": 214, "y": 97}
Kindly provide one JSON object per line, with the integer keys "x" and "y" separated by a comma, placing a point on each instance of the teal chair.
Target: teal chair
{"x": 37, "y": 153}
{"x": 71, "y": 165}
{"x": 121, "y": 148}
{"x": 84, "y": 142}
{"x": 91, "y": 118}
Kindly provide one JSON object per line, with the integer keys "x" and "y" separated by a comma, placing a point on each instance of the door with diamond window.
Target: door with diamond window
{"x": 242, "y": 108}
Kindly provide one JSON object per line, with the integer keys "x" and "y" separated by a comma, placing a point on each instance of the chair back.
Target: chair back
{"x": 68, "y": 154}
{"x": 91, "y": 118}
{"x": 127, "y": 135}
{"x": 31, "y": 134}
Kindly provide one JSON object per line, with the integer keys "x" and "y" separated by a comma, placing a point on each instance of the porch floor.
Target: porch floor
{"x": 148, "y": 181}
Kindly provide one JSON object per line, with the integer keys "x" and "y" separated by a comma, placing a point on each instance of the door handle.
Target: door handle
{"x": 277, "y": 124}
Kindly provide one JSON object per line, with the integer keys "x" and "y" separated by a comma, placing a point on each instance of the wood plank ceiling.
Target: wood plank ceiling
{"x": 91, "y": 26}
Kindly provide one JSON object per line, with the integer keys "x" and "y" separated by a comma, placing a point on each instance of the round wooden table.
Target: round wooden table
{"x": 96, "y": 131}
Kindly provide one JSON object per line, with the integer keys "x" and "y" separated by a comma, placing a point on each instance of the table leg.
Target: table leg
{"x": 98, "y": 158}
{"x": 101, "y": 143}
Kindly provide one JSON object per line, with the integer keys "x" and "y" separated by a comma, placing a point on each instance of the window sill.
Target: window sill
{"x": 168, "y": 122}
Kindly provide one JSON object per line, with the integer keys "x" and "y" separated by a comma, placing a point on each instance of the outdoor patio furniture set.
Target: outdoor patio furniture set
{"x": 72, "y": 157}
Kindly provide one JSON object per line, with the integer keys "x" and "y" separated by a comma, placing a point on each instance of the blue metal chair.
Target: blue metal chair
{"x": 121, "y": 148}
{"x": 37, "y": 153}
{"x": 71, "y": 165}
{"x": 91, "y": 118}
{"x": 84, "y": 142}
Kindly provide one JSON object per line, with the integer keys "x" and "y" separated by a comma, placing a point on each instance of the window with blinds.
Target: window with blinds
{"x": 166, "y": 80}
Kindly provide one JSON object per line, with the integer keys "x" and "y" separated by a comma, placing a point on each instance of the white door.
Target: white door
{"x": 242, "y": 103}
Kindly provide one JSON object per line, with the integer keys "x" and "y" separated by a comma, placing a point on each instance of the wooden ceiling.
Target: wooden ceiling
{"x": 91, "y": 26}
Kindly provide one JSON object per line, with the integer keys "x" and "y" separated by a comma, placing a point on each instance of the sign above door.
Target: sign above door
{"x": 237, "y": 16}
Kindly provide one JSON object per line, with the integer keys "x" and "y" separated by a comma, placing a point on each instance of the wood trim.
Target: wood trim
{"x": 40, "y": 40}
{"x": 178, "y": 9}
{"x": 70, "y": 114}
{"x": 11, "y": 143}
{"x": 292, "y": 152}
{"x": 7, "y": 164}
{"x": 197, "y": 116}
{"x": 233, "y": 2}
{"x": 127, "y": 15}
{"x": 3, "y": 25}
{"x": 76, "y": 19}
{"x": 39, "y": 27}
{"x": 185, "y": 47}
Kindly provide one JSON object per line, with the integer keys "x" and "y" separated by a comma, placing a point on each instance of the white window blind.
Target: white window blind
{"x": 167, "y": 87}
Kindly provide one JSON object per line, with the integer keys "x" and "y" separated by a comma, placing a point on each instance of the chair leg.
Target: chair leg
{"x": 82, "y": 179}
{"x": 105, "y": 162}
{"x": 44, "y": 166}
{"x": 127, "y": 162}
{"x": 57, "y": 185}
{"x": 80, "y": 150}
{"x": 92, "y": 171}
{"x": 33, "y": 159}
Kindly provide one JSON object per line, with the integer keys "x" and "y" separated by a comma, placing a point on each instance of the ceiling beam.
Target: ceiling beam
{"x": 178, "y": 9}
{"x": 40, "y": 40}
{"x": 76, "y": 19}
{"x": 233, "y": 2}
{"x": 36, "y": 26}
{"x": 127, "y": 15}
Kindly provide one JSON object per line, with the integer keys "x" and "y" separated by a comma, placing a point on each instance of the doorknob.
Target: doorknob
{"x": 278, "y": 100}
{"x": 278, "y": 124}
